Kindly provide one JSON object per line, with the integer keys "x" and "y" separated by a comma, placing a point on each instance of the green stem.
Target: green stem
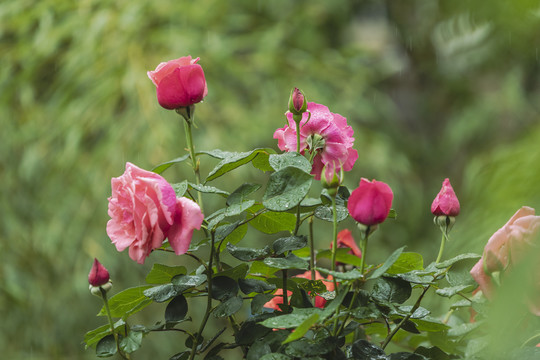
{"x": 363, "y": 246}
{"x": 209, "y": 299}
{"x": 441, "y": 249}
{"x": 334, "y": 240}
{"x": 111, "y": 323}
{"x": 405, "y": 319}
{"x": 298, "y": 137}
{"x": 193, "y": 155}
{"x": 311, "y": 249}
{"x": 285, "y": 300}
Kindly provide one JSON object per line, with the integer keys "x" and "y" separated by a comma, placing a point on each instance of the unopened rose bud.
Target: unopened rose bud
{"x": 446, "y": 201}
{"x": 330, "y": 179}
{"x": 98, "y": 275}
{"x": 297, "y": 102}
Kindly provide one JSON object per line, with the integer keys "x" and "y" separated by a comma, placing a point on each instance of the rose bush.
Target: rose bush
{"x": 179, "y": 82}
{"x": 144, "y": 211}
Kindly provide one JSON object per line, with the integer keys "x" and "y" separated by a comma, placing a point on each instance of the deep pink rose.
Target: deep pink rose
{"x": 346, "y": 240}
{"x": 328, "y": 282}
{"x": 179, "y": 82}
{"x": 98, "y": 274}
{"x": 335, "y": 139}
{"x": 144, "y": 211}
{"x": 370, "y": 202}
{"x": 507, "y": 247}
{"x": 446, "y": 201}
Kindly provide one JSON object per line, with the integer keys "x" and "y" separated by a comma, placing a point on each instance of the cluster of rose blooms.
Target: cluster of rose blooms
{"x": 145, "y": 211}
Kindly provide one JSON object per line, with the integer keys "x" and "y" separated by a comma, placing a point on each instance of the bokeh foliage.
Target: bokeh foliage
{"x": 433, "y": 89}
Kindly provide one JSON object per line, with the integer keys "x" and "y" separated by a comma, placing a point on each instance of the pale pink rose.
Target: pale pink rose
{"x": 144, "y": 212}
{"x": 336, "y": 150}
{"x": 507, "y": 247}
{"x": 328, "y": 282}
{"x": 179, "y": 82}
{"x": 446, "y": 201}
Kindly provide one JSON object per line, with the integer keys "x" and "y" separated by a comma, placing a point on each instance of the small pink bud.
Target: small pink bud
{"x": 297, "y": 102}
{"x": 98, "y": 275}
{"x": 370, "y": 203}
{"x": 446, "y": 201}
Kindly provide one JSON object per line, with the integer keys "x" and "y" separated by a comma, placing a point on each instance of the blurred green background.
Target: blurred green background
{"x": 433, "y": 89}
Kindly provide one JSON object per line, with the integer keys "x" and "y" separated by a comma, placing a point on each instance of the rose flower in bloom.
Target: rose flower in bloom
{"x": 446, "y": 201}
{"x": 179, "y": 82}
{"x": 325, "y": 133}
{"x": 144, "y": 210}
{"x": 506, "y": 248}
{"x": 370, "y": 202}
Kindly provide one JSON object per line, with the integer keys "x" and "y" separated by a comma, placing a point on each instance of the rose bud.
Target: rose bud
{"x": 179, "y": 83}
{"x": 446, "y": 202}
{"x": 370, "y": 203}
{"x": 98, "y": 275}
{"x": 297, "y": 102}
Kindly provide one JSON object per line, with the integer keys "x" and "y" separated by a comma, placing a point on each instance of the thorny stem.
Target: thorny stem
{"x": 405, "y": 319}
{"x": 111, "y": 323}
{"x": 194, "y": 161}
{"x": 209, "y": 299}
{"x": 311, "y": 249}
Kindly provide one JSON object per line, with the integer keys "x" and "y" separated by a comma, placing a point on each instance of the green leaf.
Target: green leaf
{"x": 208, "y": 189}
{"x": 176, "y": 309}
{"x": 252, "y": 285}
{"x": 271, "y": 222}
{"x": 392, "y": 214}
{"x": 93, "y": 336}
{"x": 459, "y": 274}
{"x": 456, "y": 259}
{"x": 228, "y": 307}
{"x": 188, "y": 281}
{"x": 354, "y": 274}
{"x": 224, "y": 287}
{"x": 281, "y": 161}
{"x": 235, "y": 273}
{"x": 391, "y": 290}
{"x": 275, "y": 356}
{"x": 342, "y": 256}
{"x": 261, "y": 161}
{"x": 234, "y": 160}
{"x": 286, "y": 188}
{"x": 247, "y": 254}
{"x": 162, "y": 274}
{"x": 290, "y": 262}
{"x": 106, "y": 347}
{"x": 304, "y": 348}
{"x": 407, "y": 261}
{"x": 303, "y": 328}
{"x": 316, "y": 286}
{"x": 453, "y": 290}
{"x": 180, "y": 188}
{"x": 261, "y": 269}
{"x": 127, "y": 302}
{"x": 239, "y": 195}
{"x": 234, "y": 236}
{"x": 387, "y": 264}
{"x": 132, "y": 342}
{"x": 163, "y": 293}
{"x": 429, "y": 324}
{"x": 237, "y": 209}
{"x": 325, "y": 213}
{"x": 284, "y": 244}
{"x": 258, "y": 302}
{"x": 164, "y": 166}
{"x": 293, "y": 320}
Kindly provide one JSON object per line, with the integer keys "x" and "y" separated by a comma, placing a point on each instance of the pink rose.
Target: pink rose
{"x": 325, "y": 133}
{"x": 328, "y": 282}
{"x": 144, "y": 210}
{"x": 179, "y": 82}
{"x": 346, "y": 240}
{"x": 506, "y": 247}
{"x": 370, "y": 202}
{"x": 98, "y": 274}
{"x": 446, "y": 201}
